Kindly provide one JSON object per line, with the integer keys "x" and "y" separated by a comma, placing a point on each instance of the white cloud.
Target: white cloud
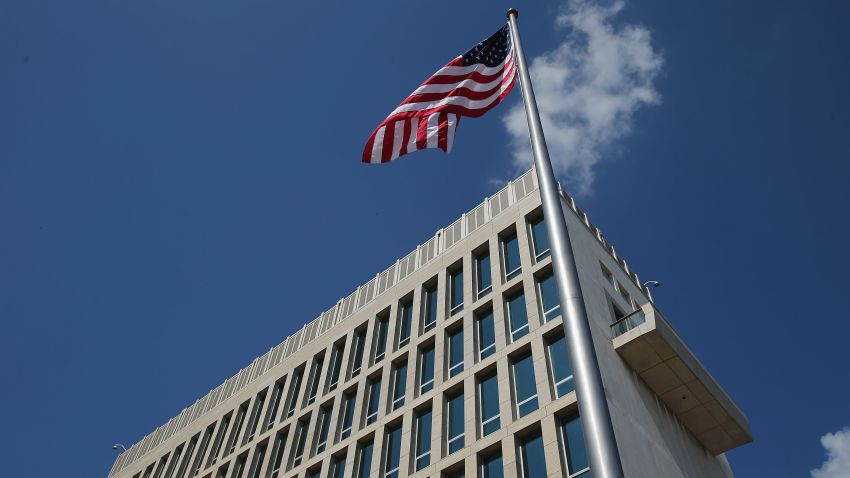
{"x": 837, "y": 464}
{"x": 588, "y": 90}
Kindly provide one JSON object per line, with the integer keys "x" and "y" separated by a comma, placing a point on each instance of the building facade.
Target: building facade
{"x": 453, "y": 363}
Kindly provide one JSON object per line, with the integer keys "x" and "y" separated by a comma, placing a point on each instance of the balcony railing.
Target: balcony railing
{"x": 628, "y": 322}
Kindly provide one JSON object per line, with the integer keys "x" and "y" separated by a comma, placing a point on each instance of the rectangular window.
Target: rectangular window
{"x": 625, "y": 294}
{"x": 160, "y": 467}
{"x": 257, "y": 461}
{"x": 392, "y": 452}
{"x": 254, "y": 419}
{"x": 488, "y": 396}
{"x": 294, "y": 390}
{"x": 539, "y": 239}
{"x": 323, "y": 427}
{"x": 531, "y": 457}
{"x": 486, "y": 335}
{"x": 492, "y": 467}
{"x": 239, "y": 467}
{"x": 338, "y": 467}
{"x": 454, "y": 423}
{"x": 560, "y": 366}
{"x": 575, "y": 452}
{"x": 336, "y": 365}
{"x": 423, "y": 440}
{"x": 483, "y": 279}
{"x": 357, "y": 354}
{"x": 219, "y": 439}
{"x": 426, "y": 369}
{"x": 517, "y": 316}
{"x": 363, "y": 466}
{"x": 274, "y": 404}
{"x": 510, "y": 257}
{"x": 316, "y": 473}
{"x": 374, "y": 397}
{"x": 607, "y": 273}
{"x": 187, "y": 456}
{"x": 202, "y": 450}
{"x": 299, "y": 443}
{"x": 525, "y": 389}
{"x": 548, "y": 290}
{"x": 405, "y": 316}
{"x": 381, "y": 328}
{"x": 173, "y": 464}
{"x": 429, "y": 313}
{"x": 222, "y": 472}
{"x": 277, "y": 454}
{"x": 233, "y": 441}
{"x": 313, "y": 382}
{"x": 347, "y": 418}
{"x": 455, "y": 291}
{"x": 399, "y": 385}
{"x": 455, "y": 352}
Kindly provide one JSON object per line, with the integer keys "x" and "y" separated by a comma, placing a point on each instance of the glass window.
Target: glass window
{"x": 426, "y": 369}
{"x": 423, "y": 440}
{"x": 257, "y": 461}
{"x": 196, "y": 466}
{"x": 357, "y": 354}
{"x": 237, "y": 428}
{"x": 339, "y": 467}
{"x": 455, "y": 352}
{"x": 160, "y": 467}
{"x": 239, "y": 467}
{"x": 562, "y": 370}
{"x": 491, "y": 467}
{"x": 374, "y": 398}
{"x": 607, "y": 273}
{"x": 277, "y": 394}
{"x": 222, "y": 472}
{"x": 255, "y": 416}
{"x": 483, "y": 280}
{"x": 184, "y": 465}
{"x": 315, "y": 373}
{"x": 456, "y": 291}
{"x": 399, "y": 385}
{"x": 405, "y": 315}
{"x": 517, "y": 316}
{"x": 488, "y": 394}
{"x": 316, "y": 473}
{"x": 575, "y": 452}
{"x": 454, "y": 422}
{"x": 539, "y": 239}
{"x": 323, "y": 427}
{"x": 173, "y": 464}
{"x": 277, "y": 454}
{"x": 525, "y": 389}
{"x": 548, "y": 290}
{"x": 392, "y": 447}
{"x": 364, "y": 460}
{"x": 381, "y": 327}
{"x": 429, "y": 316}
{"x": 486, "y": 335}
{"x": 300, "y": 442}
{"x": 219, "y": 439}
{"x": 336, "y": 365}
{"x": 510, "y": 254}
{"x": 294, "y": 388}
{"x": 532, "y": 459}
{"x": 347, "y": 416}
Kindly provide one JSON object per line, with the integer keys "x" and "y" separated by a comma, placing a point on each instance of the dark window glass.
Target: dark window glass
{"x": 339, "y": 467}
{"x": 510, "y": 248}
{"x": 532, "y": 458}
{"x": 455, "y": 344}
{"x": 381, "y": 338}
{"x": 219, "y": 439}
{"x": 392, "y": 444}
{"x": 292, "y": 399}
{"x": 237, "y": 428}
{"x": 518, "y": 316}
{"x": 486, "y": 335}
{"x": 429, "y": 317}
{"x": 524, "y": 386}
{"x": 374, "y": 398}
{"x": 315, "y": 373}
{"x": 456, "y": 289}
{"x": 491, "y": 467}
{"x": 426, "y": 370}
{"x": 405, "y": 315}
{"x": 489, "y": 396}
{"x": 184, "y": 465}
{"x": 574, "y": 448}
{"x": 549, "y": 297}
{"x": 300, "y": 442}
{"x": 347, "y": 416}
{"x": 255, "y": 417}
{"x": 364, "y": 460}
{"x": 423, "y": 440}
{"x": 324, "y": 428}
{"x": 196, "y": 466}
{"x": 357, "y": 356}
{"x": 277, "y": 454}
{"x": 454, "y": 422}
{"x": 483, "y": 280}
{"x": 173, "y": 464}
{"x": 314, "y": 473}
{"x": 336, "y": 365}
{"x": 257, "y": 461}
{"x": 399, "y": 385}
{"x": 562, "y": 370}
{"x": 277, "y": 394}
{"x": 239, "y": 467}
{"x": 540, "y": 239}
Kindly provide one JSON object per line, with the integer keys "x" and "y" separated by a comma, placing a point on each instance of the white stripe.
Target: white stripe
{"x": 467, "y": 83}
{"x": 454, "y": 100}
{"x": 378, "y": 145}
{"x": 414, "y": 128}
{"x": 398, "y": 139}
{"x": 465, "y": 70}
{"x": 433, "y": 129}
{"x": 450, "y": 134}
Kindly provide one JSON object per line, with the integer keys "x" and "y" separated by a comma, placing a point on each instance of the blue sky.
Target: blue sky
{"x": 180, "y": 189}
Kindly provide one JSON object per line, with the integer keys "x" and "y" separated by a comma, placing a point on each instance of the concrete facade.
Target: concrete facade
{"x": 244, "y": 427}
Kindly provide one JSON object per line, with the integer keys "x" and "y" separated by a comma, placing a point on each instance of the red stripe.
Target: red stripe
{"x": 422, "y": 133}
{"x": 367, "y": 151}
{"x": 389, "y": 132}
{"x": 406, "y": 140}
{"x": 473, "y": 75}
{"x": 443, "y": 131}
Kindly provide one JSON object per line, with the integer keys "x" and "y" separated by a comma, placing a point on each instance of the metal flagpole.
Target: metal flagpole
{"x": 593, "y": 407}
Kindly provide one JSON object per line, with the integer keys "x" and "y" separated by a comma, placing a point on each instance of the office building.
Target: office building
{"x": 452, "y": 363}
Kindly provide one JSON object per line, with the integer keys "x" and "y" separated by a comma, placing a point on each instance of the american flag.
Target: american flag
{"x": 470, "y": 85}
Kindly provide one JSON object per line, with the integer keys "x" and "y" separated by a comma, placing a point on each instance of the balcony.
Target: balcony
{"x": 647, "y": 342}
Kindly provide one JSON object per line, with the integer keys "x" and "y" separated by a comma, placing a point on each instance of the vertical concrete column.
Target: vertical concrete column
{"x": 551, "y": 449}
{"x": 541, "y": 373}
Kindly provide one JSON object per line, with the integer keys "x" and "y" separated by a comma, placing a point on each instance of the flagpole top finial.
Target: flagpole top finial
{"x": 510, "y": 11}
